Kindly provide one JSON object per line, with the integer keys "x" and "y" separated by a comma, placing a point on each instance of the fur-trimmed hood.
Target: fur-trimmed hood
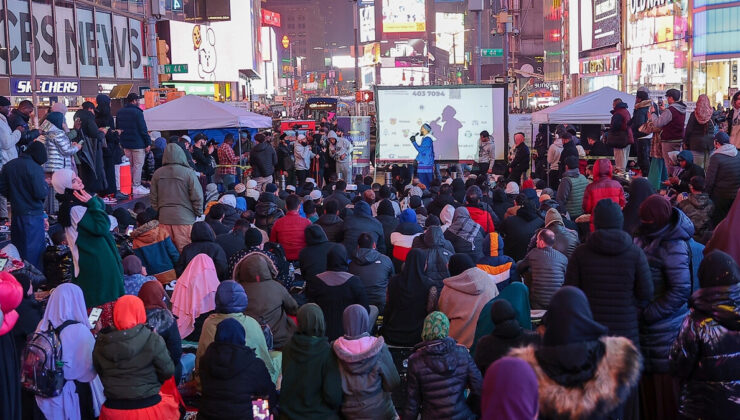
{"x": 159, "y": 319}
{"x": 617, "y": 374}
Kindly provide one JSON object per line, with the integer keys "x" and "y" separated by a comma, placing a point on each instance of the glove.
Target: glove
{"x": 413, "y": 139}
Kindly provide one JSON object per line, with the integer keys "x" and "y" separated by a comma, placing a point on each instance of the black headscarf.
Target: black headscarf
{"x": 459, "y": 263}
{"x": 458, "y": 190}
{"x": 336, "y": 259}
{"x": 719, "y": 296}
{"x": 386, "y": 208}
{"x": 718, "y": 269}
{"x": 413, "y": 274}
{"x": 640, "y": 189}
{"x": 66, "y": 202}
{"x": 571, "y": 349}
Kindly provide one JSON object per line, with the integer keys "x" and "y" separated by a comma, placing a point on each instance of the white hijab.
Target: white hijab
{"x": 67, "y": 303}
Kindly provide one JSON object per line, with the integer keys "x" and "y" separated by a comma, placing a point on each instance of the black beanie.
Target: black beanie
{"x": 252, "y": 237}
{"x": 607, "y": 215}
{"x": 37, "y": 151}
{"x": 718, "y": 269}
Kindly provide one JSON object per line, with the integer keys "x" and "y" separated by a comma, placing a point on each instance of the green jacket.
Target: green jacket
{"x": 133, "y": 363}
{"x": 101, "y": 272}
{"x": 176, "y": 192}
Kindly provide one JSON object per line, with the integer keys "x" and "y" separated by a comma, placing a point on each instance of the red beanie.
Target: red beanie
{"x": 656, "y": 210}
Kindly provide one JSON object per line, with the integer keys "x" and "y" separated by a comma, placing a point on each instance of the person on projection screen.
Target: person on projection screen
{"x": 425, "y": 155}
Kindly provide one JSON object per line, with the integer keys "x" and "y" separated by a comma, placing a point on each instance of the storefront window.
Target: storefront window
{"x": 66, "y": 39}
{"x": 715, "y": 79}
{"x": 136, "y": 6}
{"x": 121, "y": 5}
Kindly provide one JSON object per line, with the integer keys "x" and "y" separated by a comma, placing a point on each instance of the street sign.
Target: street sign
{"x": 491, "y": 52}
{"x": 511, "y": 79}
{"x": 174, "y": 68}
{"x": 499, "y": 79}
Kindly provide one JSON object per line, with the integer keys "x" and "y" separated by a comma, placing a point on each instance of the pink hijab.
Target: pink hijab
{"x": 703, "y": 112}
{"x": 195, "y": 293}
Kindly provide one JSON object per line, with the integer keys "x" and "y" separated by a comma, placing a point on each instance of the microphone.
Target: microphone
{"x": 417, "y": 133}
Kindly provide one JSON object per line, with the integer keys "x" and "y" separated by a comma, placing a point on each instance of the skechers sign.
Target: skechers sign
{"x": 63, "y": 87}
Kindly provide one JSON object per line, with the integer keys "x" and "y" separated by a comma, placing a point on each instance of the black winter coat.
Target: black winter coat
{"x": 667, "y": 251}
{"x": 518, "y": 230}
{"x": 231, "y": 215}
{"x": 506, "y": 336}
{"x": 22, "y": 182}
{"x": 438, "y": 252}
{"x": 705, "y": 355}
{"x": 474, "y": 249}
{"x": 375, "y": 270}
{"x": 231, "y": 242}
{"x": 204, "y": 242}
{"x": 389, "y": 223}
{"x": 333, "y": 226}
{"x": 231, "y": 376}
{"x": 439, "y": 202}
{"x": 723, "y": 175}
{"x": 263, "y": 160}
{"x": 334, "y": 292}
{"x": 217, "y": 226}
{"x": 439, "y": 372}
{"x": 356, "y": 225}
{"x": 615, "y": 276}
{"x": 312, "y": 258}
{"x": 164, "y": 323}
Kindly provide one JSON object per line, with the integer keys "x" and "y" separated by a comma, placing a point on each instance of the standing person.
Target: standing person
{"x": 8, "y": 139}
{"x": 547, "y": 267}
{"x": 553, "y": 162}
{"x": 227, "y": 161}
{"x": 672, "y": 122}
{"x": 700, "y": 131}
{"x": 663, "y": 235}
{"x": 571, "y": 189}
{"x": 23, "y": 183}
{"x": 425, "y": 155}
{"x": 59, "y": 149}
{"x": 567, "y": 133}
{"x": 112, "y": 149}
{"x": 303, "y": 158}
{"x": 486, "y": 154}
{"x": 733, "y": 121}
{"x": 520, "y": 164}
{"x": 263, "y": 160}
{"x": 704, "y": 356}
{"x": 620, "y": 135}
{"x": 177, "y": 195}
{"x": 439, "y": 372}
{"x": 90, "y": 167}
{"x": 98, "y": 269}
{"x": 134, "y": 139}
{"x": 642, "y": 140}
{"x": 723, "y": 175}
{"x": 202, "y": 158}
{"x": 18, "y": 120}
{"x": 341, "y": 151}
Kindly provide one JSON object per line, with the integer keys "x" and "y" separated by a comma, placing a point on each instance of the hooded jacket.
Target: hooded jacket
{"x": 602, "y": 187}
{"x": 439, "y": 372}
{"x": 615, "y": 276}
{"x": 333, "y": 292}
{"x": 375, "y": 270}
{"x": 546, "y": 275}
{"x": 132, "y": 364}
{"x": 156, "y": 251}
{"x": 501, "y": 269}
{"x": 699, "y": 208}
{"x": 667, "y": 251}
{"x": 439, "y": 202}
{"x": 723, "y": 172}
{"x": 438, "y": 252}
{"x": 518, "y": 230}
{"x": 312, "y": 258}
{"x": 566, "y": 240}
{"x": 175, "y": 191}
{"x": 368, "y": 377}
{"x": 362, "y": 222}
{"x": 203, "y": 242}
{"x": 135, "y": 134}
{"x": 689, "y": 172}
{"x": 263, "y": 159}
{"x": 59, "y": 149}
{"x": 23, "y": 183}
{"x": 640, "y": 117}
{"x": 333, "y": 226}
{"x": 267, "y": 212}
{"x": 462, "y": 299}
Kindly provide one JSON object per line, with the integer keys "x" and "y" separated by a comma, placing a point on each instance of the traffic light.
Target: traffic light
{"x": 312, "y": 77}
{"x": 162, "y": 59}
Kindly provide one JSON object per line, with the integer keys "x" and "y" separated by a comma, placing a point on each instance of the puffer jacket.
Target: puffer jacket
{"x": 667, "y": 251}
{"x": 705, "y": 355}
{"x": 438, "y": 253}
{"x": 518, "y": 230}
{"x": 155, "y": 249}
{"x": 602, "y": 187}
{"x": 59, "y": 150}
{"x": 501, "y": 268}
{"x": 439, "y": 371}
{"x": 375, "y": 270}
{"x": 615, "y": 276}
{"x": 263, "y": 159}
{"x": 723, "y": 172}
{"x": 474, "y": 248}
{"x": 368, "y": 377}
{"x": 333, "y": 226}
{"x": 546, "y": 275}
{"x": 462, "y": 299}
{"x": 266, "y": 214}
{"x": 566, "y": 240}
{"x": 164, "y": 324}
{"x": 355, "y": 225}
{"x": 132, "y": 364}
{"x": 699, "y": 208}
{"x": 288, "y": 231}
{"x": 480, "y": 215}
{"x": 203, "y": 242}
{"x": 176, "y": 192}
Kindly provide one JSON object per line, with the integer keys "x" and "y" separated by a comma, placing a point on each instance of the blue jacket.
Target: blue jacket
{"x": 135, "y": 135}
{"x": 22, "y": 182}
{"x": 156, "y": 251}
{"x": 425, "y": 156}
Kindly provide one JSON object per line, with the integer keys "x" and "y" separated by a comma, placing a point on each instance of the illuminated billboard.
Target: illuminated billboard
{"x": 600, "y": 24}
{"x": 367, "y": 24}
{"x": 404, "y": 16}
{"x": 450, "y": 35}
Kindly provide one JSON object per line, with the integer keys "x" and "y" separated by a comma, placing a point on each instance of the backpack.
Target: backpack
{"x": 42, "y": 368}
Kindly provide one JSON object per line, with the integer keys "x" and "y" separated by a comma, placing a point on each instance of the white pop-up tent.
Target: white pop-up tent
{"x": 197, "y": 113}
{"x": 591, "y": 108}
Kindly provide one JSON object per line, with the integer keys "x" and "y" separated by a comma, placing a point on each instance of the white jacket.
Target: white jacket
{"x": 8, "y": 140}
{"x": 553, "y": 154}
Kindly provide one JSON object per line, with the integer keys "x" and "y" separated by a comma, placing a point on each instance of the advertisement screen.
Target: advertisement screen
{"x": 457, "y": 115}
{"x": 367, "y": 24}
{"x": 404, "y": 16}
{"x": 600, "y": 24}
{"x": 451, "y": 35}
{"x": 208, "y": 50}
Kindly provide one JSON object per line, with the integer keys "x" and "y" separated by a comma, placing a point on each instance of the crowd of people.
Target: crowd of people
{"x": 482, "y": 295}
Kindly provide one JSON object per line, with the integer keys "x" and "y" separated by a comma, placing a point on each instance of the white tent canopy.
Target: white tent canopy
{"x": 197, "y": 113}
{"x": 591, "y": 108}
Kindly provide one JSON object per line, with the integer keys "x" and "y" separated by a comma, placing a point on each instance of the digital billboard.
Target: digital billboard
{"x": 450, "y": 35}
{"x": 600, "y": 24}
{"x": 404, "y": 16}
{"x": 367, "y": 24}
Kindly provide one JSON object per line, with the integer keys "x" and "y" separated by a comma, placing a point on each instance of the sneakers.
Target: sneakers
{"x": 120, "y": 196}
{"x": 140, "y": 190}
{"x": 109, "y": 200}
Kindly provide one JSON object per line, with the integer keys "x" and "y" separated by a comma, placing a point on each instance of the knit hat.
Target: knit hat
{"x": 131, "y": 265}
{"x": 270, "y": 188}
{"x": 553, "y": 216}
{"x": 415, "y": 202}
{"x": 544, "y": 197}
{"x": 363, "y": 209}
{"x": 37, "y": 151}
{"x": 315, "y": 195}
{"x": 606, "y": 215}
{"x": 512, "y": 188}
{"x": 6, "y": 102}
{"x": 311, "y": 180}
{"x": 62, "y": 180}
{"x": 240, "y": 188}
{"x": 436, "y": 326}
{"x": 656, "y": 210}
{"x": 718, "y": 269}
{"x": 229, "y": 200}
{"x": 230, "y": 331}
{"x": 722, "y": 138}
{"x": 252, "y": 237}
{"x": 56, "y": 118}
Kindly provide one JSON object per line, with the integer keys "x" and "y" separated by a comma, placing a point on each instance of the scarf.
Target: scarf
{"x": 355, "y": 321}
{"x": 703, "y": 112}
{"x": 510, "y": 391}
{"x": 436, "y": 326}
{"x": 153, "y": 295}
{"x": 311, "y": 320}
{"x": 128, "y": 312}
{"x": 463, "y": 226}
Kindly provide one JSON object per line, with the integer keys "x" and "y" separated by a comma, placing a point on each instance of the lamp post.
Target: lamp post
{"x": 285, "y": 42}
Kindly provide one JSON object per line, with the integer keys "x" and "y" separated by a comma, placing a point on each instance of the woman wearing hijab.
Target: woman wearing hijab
{"x": 465, "y": 235}
{"x": 509, "y": 391}
{"x": 82, "y": 388}
{"x": 133, "y": 364}
{"x": 640, "y": 190}
{"x": 270, "y": 301}
{"x": 11, "y": 295}
{"x": 59, "y": 148}
{"x": 231, "y": 376}
{"x": 134, "y": 275}
{"x": 408, "y": 294}
{"x": 463, "y": 296}
{"x": 517, "y": 294}
{"x": 582, "y": 373}
{"x": 439, "y": 372}
{"x": 699, "y": 132}
{"x": 97, "y": 264}
{"x": 458, "y": 191}
{"x": 311, "y": 385}
{"x": 336, "y": 289}
{"x": 725, "y": 237}
{"x": 193, "y": 298}
{"x": 507, "y": 334}
{"x": 704, "y": 355}
{"x": 367, "y": 369}
{"x": 159, "y": 317}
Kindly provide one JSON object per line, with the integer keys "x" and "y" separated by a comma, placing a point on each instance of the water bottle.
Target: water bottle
{"x": 291, "y": 272}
